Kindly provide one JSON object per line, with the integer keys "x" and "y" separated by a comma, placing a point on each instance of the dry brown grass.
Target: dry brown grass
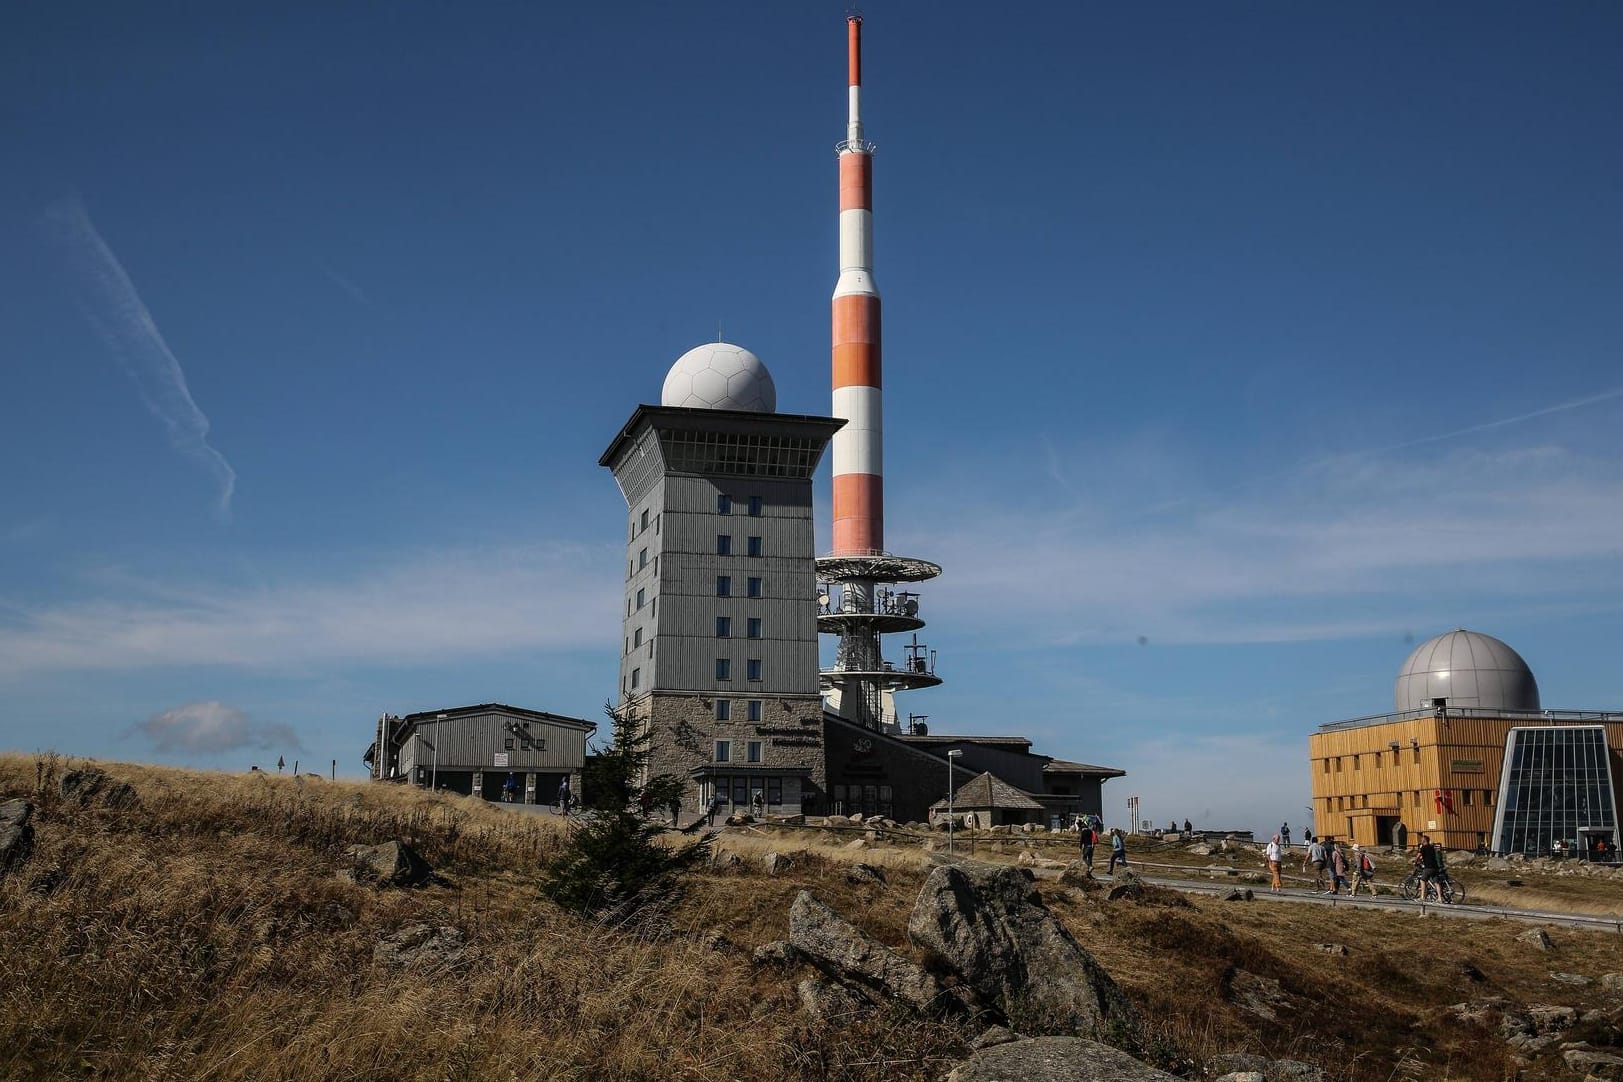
{"x": 207, "y": 935}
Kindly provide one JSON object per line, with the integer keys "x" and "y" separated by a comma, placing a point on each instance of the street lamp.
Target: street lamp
{"x": 955, "y": 753}
{"x": 434, "y": 774}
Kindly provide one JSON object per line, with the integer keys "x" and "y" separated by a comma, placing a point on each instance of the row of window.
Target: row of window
{"x": 724, "y": 545}
{"x": 724, "y": 668}
{"x": 724, "y": 586}
{"x": 1467, "y": 797}
{"x": 724, "y": 709}
{"x": 635, "y": 642}
{"x": 642, "y": 561}
{"x": 640, "y": 524}
{"x": 1357, "y": 760}
{"x": 527, "y": 743}
{"x": 724, "y": 627}
{"x": 742, "y": 792}
{"x": 724, "y": 751}
{"x": 724, "y": 505}
{"x": 867, "y": 799}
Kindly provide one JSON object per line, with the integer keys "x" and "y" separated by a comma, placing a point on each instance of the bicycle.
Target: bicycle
{"x": 1453, "y": 893}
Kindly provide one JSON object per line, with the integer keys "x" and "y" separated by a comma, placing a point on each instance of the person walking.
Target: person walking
{"x": 1118, "y": 850}
{"x": 1338, "y": 865}
{"x": 564, "y": 797}
{"x": 1187, "y": 829}
{"x": 1088, "y": 838}
{"x": 1315, "y": 858}
{"x": 1275, "y": 854}
{"x": 1363, "y": 871}
{"x": 716, "y": 801}
{"x": 509, "y": 789}
{"x": 1285, "y": 835}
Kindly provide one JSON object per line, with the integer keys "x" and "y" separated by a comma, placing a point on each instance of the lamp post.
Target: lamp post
{"x": 433, "y": 746}
{"x": 955, "y": 753}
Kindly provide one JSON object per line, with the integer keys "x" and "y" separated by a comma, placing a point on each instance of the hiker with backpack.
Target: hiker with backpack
{"x": 1363, "y": 871}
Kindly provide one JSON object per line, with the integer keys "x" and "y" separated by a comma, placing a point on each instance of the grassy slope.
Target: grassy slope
{"x": 208, "y": 935}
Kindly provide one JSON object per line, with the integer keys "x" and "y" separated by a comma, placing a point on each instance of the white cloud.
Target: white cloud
{"x": 459, "y": 603}
{"x": 1345, "y": 547}
{"x": 212, "y": 727}
{"x": 109, "y": 300}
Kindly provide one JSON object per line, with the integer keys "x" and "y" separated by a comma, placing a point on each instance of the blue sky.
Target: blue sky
{"x": 1279, "y": 338}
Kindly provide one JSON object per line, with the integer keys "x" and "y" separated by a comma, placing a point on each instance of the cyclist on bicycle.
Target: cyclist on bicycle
{"x": 1429, "y": 862}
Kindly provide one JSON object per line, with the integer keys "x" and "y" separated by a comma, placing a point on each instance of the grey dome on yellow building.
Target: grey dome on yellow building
{"x": 1469, "y": 669}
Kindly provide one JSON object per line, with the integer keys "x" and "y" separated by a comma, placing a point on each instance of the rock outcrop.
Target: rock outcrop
{"x": 846, "y": 953}
{"x": 989, "y": 925}
{"x": 1273, "y": 1070}
{"x": 392, "y": 864}
{"x": 829, "y": 1001}
{"x": 16, "y": 834}
{"x": 1537, "y": 938}
{"x": 89, "y": 786}
{"x": 423, "y": 946}
{"x": 1055, "y": 1059}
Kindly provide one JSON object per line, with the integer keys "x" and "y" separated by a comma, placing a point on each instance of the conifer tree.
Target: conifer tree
{"x": 615, "y": 861}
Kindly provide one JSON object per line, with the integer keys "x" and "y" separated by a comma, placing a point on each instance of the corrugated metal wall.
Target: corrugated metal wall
{"x": 472, "y": 742}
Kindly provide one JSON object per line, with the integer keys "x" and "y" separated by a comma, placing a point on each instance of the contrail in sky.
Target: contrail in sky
{"x": 1559, "y": 407}
{"x": 1348, "y": 456}
{"x": 109, "y": 300}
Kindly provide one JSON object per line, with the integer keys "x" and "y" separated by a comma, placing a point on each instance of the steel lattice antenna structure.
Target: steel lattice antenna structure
{"x": 857, "y": 600}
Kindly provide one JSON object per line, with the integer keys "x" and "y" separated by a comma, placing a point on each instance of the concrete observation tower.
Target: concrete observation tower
{"x": 859, "y": 599}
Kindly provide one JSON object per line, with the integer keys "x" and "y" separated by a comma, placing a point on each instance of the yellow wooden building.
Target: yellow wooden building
{"x": 1437, "y": 765}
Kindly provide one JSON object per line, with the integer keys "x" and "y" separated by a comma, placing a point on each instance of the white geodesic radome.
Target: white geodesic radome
{"x": 720, "y": 376}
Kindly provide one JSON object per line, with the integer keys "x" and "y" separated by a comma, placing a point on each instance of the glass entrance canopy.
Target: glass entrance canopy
{"x": 1556, "y": 793}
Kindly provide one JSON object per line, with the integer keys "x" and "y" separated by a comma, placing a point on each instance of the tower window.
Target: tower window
{"x": 724, "y": 751}
{"x": 724, "y": 627}
{"x": 724, "y": 504}
{"x": 755, "y": 709}
{"x": 644, "y": 519}
{"x": 642, "y": 597}
{"x": 724, "y": 668}
{"x": 752, "y": 751}
{"x": 636, "y": 677}
{"x": 753, "y": 627}
{"x": 724, "y": 586}
{"x": 753, "y": 587}
{"x": 724, "y": 544}
{"x": 752, "y": 669}
{"x": 755, "y": 546}
{"x": 642, "y": 558}
{"x": 636, "y": 637}
{"x": 755, "y": 507}
{"x": 724, "y": 709}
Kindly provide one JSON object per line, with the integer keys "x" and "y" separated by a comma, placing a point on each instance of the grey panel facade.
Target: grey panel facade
{"x": 476, "y": 741}
{"x": 719, "y": 636}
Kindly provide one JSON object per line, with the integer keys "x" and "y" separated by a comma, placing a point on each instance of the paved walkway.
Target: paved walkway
{"x": 1470, "y": 911}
